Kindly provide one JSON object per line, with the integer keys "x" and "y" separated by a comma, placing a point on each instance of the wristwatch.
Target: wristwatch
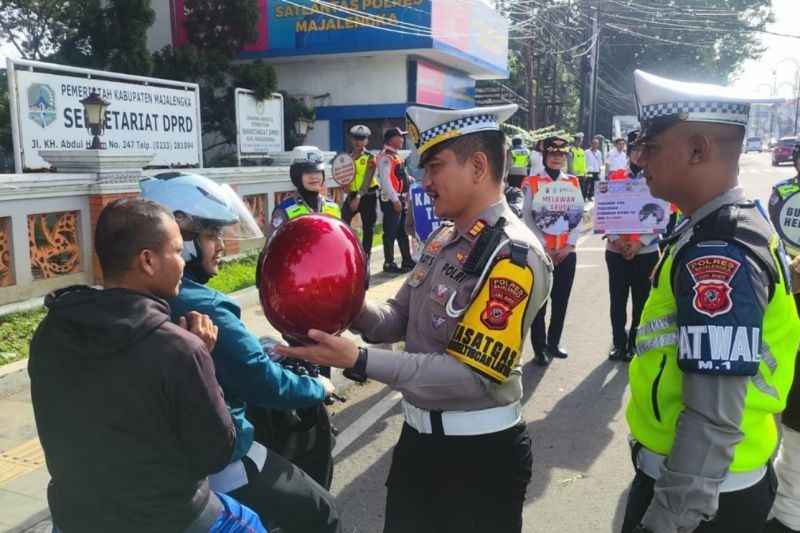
{"x": 358, "y": 372}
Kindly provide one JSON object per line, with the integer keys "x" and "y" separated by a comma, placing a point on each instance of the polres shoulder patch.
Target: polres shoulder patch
{"x": 489, "y": 337}
{"x": 712, "y": 275}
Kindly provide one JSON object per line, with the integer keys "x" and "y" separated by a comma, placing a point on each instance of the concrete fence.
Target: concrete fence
{"x": 47, "y": 219}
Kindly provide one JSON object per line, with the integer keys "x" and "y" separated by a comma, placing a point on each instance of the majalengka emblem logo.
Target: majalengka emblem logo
{"x": 41, "y": 104}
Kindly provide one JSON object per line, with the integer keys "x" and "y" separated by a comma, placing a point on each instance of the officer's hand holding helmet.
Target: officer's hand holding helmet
{"x": 201, "y": 207}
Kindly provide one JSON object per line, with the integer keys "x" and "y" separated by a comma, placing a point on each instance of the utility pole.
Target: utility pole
{"x": 530, "y": 95}
{"x": 595, "y": 59}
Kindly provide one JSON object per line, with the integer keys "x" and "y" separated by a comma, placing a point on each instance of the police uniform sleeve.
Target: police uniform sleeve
{"x": 385, "y": 322}
{"x": 277, "y": 218}
{"x": 721, "y": 298}
{"x": 466, "y": 368}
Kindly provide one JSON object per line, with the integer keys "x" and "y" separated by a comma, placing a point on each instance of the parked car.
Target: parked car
{"x": 753, "y": 144}
{"x": 782, "y": 153}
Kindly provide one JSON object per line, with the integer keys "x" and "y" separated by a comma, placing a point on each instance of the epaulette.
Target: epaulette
{"x": 741, "y": 224}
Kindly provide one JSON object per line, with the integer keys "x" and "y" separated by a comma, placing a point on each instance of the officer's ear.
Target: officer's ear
{"x": 479, "y": 164}
{"x": 700, "y": 148}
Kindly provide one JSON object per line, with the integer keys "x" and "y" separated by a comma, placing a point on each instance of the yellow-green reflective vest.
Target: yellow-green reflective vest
{"x": 522, "y": 157}
{"x": 578, "y": 161}
{"x": 362, "y": 163}
{"x": 296, "y": 209}
{"x": 656, "y": 380}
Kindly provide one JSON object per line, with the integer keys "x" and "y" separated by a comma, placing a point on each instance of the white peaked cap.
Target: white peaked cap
{"x": 430, "y": 128}
{"x": 360, "y": 130}
{"x": 663, "y": 102}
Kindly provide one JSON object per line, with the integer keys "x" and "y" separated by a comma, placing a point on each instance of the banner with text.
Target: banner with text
{"x": 140, "y": 118}
{"x": 557, "y": 207}
{"x": 626, "y": 206}
{"x": 259, "y": 123}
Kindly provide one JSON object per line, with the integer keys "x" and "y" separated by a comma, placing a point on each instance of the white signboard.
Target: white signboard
{"x": 259, "y": 123}
{"x": 144, "y": 115}
{"x": 626, "y": 207}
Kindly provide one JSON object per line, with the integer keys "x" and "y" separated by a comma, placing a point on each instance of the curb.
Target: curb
{"x": 14, "y": 378}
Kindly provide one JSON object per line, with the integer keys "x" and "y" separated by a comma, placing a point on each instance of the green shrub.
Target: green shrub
{"x": 16, "y": 330}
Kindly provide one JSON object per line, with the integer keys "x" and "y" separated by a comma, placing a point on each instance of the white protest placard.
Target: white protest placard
{"x": 557, "y": 207}
{"x": 144, "y": 114}
{"x": 623, "y": 207}
{"x": 259, "y": 123}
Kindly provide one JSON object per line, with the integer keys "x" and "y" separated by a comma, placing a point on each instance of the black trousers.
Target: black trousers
{"x": 441, "y": 484}
{"x": 563, "y": 276}
{"x": 742, "y": 511}
{"x": 394, "y": 229}
{"x": 284, "y": 496}
{"x": 368, "y": 210}
{"x": 628, "y": 277}
{"x": 591, "y": 179}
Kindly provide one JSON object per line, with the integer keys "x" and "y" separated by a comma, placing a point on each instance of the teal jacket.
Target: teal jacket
{"x": 245, "y": 373}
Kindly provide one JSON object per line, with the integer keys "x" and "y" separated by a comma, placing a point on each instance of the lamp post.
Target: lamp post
{"x": 301, "y": 127}
{"x": 94, "y": 107}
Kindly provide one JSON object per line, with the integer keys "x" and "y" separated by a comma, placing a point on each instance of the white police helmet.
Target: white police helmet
{"x": 201, "y": 205}
{"x": 359, "y": 130}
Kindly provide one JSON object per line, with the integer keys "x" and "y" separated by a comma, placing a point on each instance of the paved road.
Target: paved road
{"x": 574, "y": 410}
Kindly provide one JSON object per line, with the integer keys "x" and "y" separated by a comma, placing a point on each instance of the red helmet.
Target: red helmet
{"x": 313, "y": 275}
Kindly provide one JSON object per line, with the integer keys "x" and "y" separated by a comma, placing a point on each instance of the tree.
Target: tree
{"x": 36, "y": 28}
{"x": 216, "y": 32}
{"x": 696, "y": 40}
{"x": 692, "y": 40}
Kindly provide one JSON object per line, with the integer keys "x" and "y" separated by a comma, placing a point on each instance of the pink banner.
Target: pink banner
{"x": 430, "y": 84}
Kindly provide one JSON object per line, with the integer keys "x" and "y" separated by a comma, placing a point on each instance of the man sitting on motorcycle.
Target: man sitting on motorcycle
{"x": 282, "y": 494}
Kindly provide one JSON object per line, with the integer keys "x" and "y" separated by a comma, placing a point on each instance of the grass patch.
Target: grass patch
{"x": 16, "y": 330}
{"x": 235, "y": 275}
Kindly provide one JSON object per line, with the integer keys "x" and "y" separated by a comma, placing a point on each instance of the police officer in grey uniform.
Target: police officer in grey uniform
{"x": 463, "y": 460}
{"x": 717, "y": 340}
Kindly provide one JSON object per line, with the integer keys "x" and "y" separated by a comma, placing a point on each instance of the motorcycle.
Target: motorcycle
{"x": 303, "y": 436}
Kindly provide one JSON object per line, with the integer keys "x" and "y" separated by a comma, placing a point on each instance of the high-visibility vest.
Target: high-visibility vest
{"x": 294, "y": 209}
{"x": 521, "y": 157}
{"x": 362, "y": 164}
{"x": 578, "y": 161}
{"x": 656, "y": 380}
{"x": 552, "y": 242}
{"x": 618, "y": 175}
